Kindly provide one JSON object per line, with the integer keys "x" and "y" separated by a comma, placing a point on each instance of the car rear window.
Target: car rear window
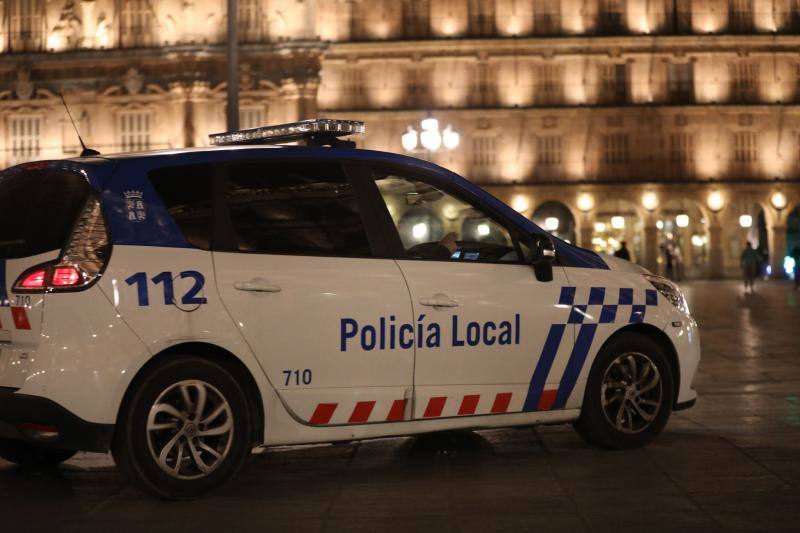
{"x": 37, "y": 211}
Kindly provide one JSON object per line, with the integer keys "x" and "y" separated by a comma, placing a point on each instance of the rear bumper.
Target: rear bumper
{"x": 42, "y": 421}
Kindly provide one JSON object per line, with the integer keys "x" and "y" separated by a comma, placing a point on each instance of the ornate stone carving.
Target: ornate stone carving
{"x": 67, "y": 31}
{"x": 133, "y": 81}
{"x": 24, "y": 86}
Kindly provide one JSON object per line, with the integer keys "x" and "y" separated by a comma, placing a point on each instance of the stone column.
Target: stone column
{"x": 715, "y": 270}
{"x": 585, "y": 237}
{"x": 650, "y": 248}
{"x": 776, "y": 235}
{"x": 299, "y": 98}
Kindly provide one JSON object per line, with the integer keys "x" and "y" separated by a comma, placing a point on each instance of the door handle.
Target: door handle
{"x": 438, "y": 300}
{"x": 256, "y": 285}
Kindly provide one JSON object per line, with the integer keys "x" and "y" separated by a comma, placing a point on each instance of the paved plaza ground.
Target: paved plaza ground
{"x": 731, "y": 463}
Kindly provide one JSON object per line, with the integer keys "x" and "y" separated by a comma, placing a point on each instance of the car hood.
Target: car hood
{"x": 623, "y": 265}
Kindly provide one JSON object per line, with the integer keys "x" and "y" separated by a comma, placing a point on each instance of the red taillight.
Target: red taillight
{"x": 66, "y": 276}
{"x": 34, "y": 280}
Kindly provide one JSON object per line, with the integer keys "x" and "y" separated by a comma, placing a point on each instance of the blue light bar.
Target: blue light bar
{"x": 319, "y": 129}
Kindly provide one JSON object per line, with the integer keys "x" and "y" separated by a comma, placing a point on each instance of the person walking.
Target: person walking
{"x": 623, "y": 252}
{"x": 796, "y": 256}
{"x": 669, "y": 271}
{"x": 749, "y": 261}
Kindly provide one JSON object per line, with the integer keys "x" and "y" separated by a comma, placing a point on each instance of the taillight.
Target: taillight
{"x": 33, "y": 280}
{"x": 66, "y": 276}
{"x": 82, "y": 260}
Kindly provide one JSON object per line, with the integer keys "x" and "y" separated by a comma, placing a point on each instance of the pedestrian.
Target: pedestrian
{"x": 796, "y": 256}
{"x": 749, "y": 261}
{"x": 669, "y": 269}
{"x": 623, "y": 252}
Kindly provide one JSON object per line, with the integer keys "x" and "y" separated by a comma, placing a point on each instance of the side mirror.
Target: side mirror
{"x": 544, "y": 255}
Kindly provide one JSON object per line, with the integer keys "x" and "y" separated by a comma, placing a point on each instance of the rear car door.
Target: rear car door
{"x": 493, "y": 338}
{"x": 38, "y": 208}
{"x": 296, "y": 268}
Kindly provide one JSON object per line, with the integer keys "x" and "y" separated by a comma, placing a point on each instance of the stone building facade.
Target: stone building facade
{"x": 671, "y": 124}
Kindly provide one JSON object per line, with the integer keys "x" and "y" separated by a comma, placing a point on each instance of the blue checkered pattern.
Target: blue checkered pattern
{"x": 604, "y": 305}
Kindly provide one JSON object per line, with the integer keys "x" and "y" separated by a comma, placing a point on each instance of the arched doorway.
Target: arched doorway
{"x": 683, "y": 240}
{"x": 618, "y": 221}
{"x": 746, "y": 223}
{"x": 792, "y": 241}
{"x": 556, "y": 218}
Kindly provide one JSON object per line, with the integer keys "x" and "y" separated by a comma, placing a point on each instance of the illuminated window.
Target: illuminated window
{"x": 483, "y": 151}
{"x": 136, "y": 22}
{"x": 548, "y": 150}
{"x": 27, "y": 24}
{"x": 680, "y": 82}
{"x": 134, "y": 130}
{"x": 740, "y": 15}
{"x": 745, "y": 78}
{"x": 481, "y": 18}
{"x": 744, "y": 147}
{"x": 614, "y": 79}
{"x": 251, "y": 116}
{"x": 249, "y": 19}
{"x": 546, "y": 16}
{"x": 549, "y": 84}
{"x": 612, "y": 16}
{"x": 615, "y": 149}
{"x": 25, "y": 134}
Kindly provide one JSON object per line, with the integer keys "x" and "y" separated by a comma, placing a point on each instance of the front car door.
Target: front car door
{"x": 491, "y": 337}
{"x": 297, "y": 271}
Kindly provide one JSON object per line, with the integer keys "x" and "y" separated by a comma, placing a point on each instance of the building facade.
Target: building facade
{"x": 671, "y": 124}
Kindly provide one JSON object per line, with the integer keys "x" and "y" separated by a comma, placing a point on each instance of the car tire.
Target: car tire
{"x": 629, "y": 394}
{"x": 184, "y": 430}
{"x": 31, "y": 455}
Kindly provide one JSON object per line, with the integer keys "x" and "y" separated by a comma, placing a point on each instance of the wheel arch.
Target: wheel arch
{"x": 214, "y": 353}
{"x": 663, "y": 340}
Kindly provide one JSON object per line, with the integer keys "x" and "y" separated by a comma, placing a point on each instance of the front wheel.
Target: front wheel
{"x": 185, "y": 430}
{"x": 32, "y": 455}
{"x": 629, "y": 394}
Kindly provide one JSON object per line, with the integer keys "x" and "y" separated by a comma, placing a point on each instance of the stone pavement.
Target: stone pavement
{"x": 731, "y": 463}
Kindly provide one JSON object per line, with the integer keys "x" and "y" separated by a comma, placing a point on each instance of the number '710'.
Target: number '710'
{"x": 166, "y": 279}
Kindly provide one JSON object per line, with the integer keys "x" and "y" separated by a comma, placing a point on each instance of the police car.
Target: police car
{"x": 181, "y": 307}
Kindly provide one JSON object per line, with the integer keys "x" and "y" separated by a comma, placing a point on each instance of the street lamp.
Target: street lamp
{"x": 430, "y": 137}
{"x": 585, "y": 202}
{"x": 715, "y": 201}
{"x": 778, "y": 200}
{"x": 650, "y": 201}
{"x": 745, "y": 221}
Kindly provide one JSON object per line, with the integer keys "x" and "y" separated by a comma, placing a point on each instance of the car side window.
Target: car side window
{"x": 298, "y": 208}
{"x": 435, "y": 225}
{"x": 186, "y": 194}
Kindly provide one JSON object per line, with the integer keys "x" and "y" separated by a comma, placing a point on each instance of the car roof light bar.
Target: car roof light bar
{"x": 314, "y": 132}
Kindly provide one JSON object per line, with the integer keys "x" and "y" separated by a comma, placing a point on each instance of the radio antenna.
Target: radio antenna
{"x": 85, "y": 152}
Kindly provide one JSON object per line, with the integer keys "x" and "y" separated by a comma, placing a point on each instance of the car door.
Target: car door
{"x": 296, "y": 268}
{"x": 492, "y": 338}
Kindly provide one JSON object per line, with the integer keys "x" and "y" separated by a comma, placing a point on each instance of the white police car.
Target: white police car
{"x": 181, "y": 307}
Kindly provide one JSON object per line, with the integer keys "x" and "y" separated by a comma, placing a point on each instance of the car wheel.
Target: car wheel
{"x": 32, "y": 455}
{"x": 629, "y": 394}
{"x": 185, "y": 429}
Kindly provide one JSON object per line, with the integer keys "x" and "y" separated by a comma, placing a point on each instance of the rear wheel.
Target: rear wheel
{"x": 186, "y": 429}
{"x": 629, "y": 394}
{"x": 32, "y": 455}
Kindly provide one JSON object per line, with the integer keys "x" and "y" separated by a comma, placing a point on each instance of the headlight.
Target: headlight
{"x": 670, "y": 291}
